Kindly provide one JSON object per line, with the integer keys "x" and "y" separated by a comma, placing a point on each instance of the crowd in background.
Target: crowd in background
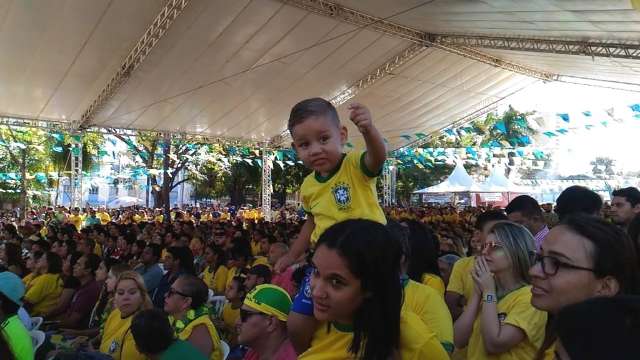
{"x": 130, "y": 284}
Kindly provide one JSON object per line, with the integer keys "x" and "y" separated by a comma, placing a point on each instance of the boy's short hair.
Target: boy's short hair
{"x": 311, "y": 108}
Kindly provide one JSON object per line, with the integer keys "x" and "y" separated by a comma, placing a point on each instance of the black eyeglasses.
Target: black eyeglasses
{"x": 551, "y": 265}
{"x": 245, "y": 314}
{"x": 173, "y": 291}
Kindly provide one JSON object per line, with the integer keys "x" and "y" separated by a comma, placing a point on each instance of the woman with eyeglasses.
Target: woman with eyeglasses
{"x": 499, "y": 321}
{"x": 581, "y": 258}
{"x": 185, "y": 302}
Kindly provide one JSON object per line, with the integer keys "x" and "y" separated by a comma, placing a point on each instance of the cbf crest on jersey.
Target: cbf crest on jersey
{"x": 342, "y": 195}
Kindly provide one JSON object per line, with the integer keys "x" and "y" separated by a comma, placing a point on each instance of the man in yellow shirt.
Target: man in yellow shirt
{"x": 103, "y": 215}
{"x": 76, "y": 218}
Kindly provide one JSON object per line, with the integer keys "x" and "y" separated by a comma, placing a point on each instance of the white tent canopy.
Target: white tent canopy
{"x": 458, "y": 181}
{"x": 234, "y": 68}
{"x": 497, "y": 182}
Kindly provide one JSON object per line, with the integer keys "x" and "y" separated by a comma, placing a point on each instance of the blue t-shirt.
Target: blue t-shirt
{"x": 151, "y": 276}
{"x": 303, "y": 303}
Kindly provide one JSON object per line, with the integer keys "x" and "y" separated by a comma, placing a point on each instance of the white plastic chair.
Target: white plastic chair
{"x": 35, "y": 323}
{"x": 217, "y": 303}
{"x": 37, "y": 337}
{"x": 225, "y": 349}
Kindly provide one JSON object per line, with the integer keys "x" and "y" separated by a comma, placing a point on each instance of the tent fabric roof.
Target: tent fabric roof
{"x": 498, "y": 182}
{"x": 458, "y": 181}
{"x": 235, "y": 68}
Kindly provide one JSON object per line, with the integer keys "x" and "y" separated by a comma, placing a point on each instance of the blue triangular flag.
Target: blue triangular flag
{"x": 635, "y": 107}
{"x": 586, "y": 113}
{"x": 501, "y": 127}
{"x": 564, "y": 117}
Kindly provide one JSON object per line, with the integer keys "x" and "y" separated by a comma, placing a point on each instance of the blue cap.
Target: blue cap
{"x": 12, "y": 287}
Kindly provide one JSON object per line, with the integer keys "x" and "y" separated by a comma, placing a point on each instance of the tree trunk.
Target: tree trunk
{"x": 23, "y": 184}
{"x": 166, "y": 179}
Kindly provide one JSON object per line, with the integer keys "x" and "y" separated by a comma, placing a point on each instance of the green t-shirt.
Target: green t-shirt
{"x": 181, "y": 350}
{"x": 18, "y": 338}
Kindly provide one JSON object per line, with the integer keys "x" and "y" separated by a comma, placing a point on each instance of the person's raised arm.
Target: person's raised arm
{"x": 376, "y": 149}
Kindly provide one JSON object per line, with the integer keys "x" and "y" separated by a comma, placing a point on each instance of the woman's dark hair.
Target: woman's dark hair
{"x": 221, "y": 256}
{"x": 184, "y": 255}
{"x": 54, "y": 261}
{"x": 14, "y": 255}
{"x": 587, "y": 329}
{"x": 614, "y": 254}
{"x": 374, "y": 258}
{"x": 196, "y": 288}
{"x": 152, "y": 342}
{"x": 71, "y": 246}
{"x": 423, "y": 257}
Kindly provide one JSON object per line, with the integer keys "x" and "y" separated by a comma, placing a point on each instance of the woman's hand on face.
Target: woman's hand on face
{"x": 483, "y": 277}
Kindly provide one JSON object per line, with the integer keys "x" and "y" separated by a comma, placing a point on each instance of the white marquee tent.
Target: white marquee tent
{"x": 457, "y": 182}
{"x": 234, "y": 68}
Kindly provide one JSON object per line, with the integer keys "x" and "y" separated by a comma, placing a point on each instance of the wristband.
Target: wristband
{"x": 489, "y": 298}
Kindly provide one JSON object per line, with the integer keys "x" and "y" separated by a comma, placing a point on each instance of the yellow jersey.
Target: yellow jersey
{"x": 230, "y": 315}
{"x": 117, "y": 339}
{"x": 515, "y": 309}
{"x": 348, "y": 193}
{"x": 417, "y": 342}
{"x": 217, "y": 280}
{"x": 431, "y": 309}
{"x": 261, "y": 260}
{"x": 44, "y": 293}
{"x": 104, "y": 217}
{"x": 204, "y": 320}
{"x": 255, "y": 248}
{"x": 435, "y": 282}
{"x": 460, "y": 281}
{"x": 233, "y": 272}
{"x": 76, "y": 220}
{"x": 27, "y": 280}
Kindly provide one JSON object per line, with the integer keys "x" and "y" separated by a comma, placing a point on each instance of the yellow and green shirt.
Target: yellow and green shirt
{"x": 216, "y": 354}
{"x": 417, "y": 342}
{"x": 515, "y": 309}
{"x": 348, "y": 193}
{"x": 117, "y": 340}
{"x": 430, "y": 307}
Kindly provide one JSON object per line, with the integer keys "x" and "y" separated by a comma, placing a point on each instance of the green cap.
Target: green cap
{"x": 271, "y": 300}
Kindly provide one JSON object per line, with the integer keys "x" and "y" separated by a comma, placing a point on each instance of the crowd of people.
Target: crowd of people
{"x": 338, "y": 277}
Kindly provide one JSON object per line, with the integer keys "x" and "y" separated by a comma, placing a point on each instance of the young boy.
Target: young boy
{"x": 342, "y": 187}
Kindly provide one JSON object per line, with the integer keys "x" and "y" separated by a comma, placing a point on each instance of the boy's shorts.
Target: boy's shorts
{"x": 303, "y": 303}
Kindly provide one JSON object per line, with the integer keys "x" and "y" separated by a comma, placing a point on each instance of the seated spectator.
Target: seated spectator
{"x": 15, "y": 341}
{"x": 257, "y": 275}
{"x": 130, "y": 298}
{"x": 70, "y": 285}
{"x": 45, "y": 290}
{"x": 160, "y": 343}
{"x": 11, "y": 257}
{"x": 32, "y": 260}
{"x": 231, "y": 311}
{"x": 276, "y": 251}
{"x": 185, "y": 303}
{"x": 423, "y": 256}
{"x": 177, "y": 261}
{"x": 445, "y": 263}
{"x": 263, "y": 324}
{"x": 150, "y": 268}
{"x": 78, "y": 314}
{"x": 586, "y": 330}
{"x": 215, "y": 271}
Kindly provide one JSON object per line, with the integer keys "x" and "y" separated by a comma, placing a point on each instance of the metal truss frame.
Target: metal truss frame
{"x": 76, "y": 172}
{"x": 157, "y": 29}
{"x": 266, "y": 182}
{"x": 380, "y": 72}
{"x": 389, "y": 173}
{"x": 551, "y": 46}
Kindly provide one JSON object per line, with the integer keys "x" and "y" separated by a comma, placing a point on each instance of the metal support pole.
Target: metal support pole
{"x": 76, "y": 170}
{"x": 386, "y": 184}
{"x": 266, "y": 183}
{"x": 393, "y": 173}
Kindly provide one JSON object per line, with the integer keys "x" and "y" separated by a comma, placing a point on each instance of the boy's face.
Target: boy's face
{"x": 318, "y": 143}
